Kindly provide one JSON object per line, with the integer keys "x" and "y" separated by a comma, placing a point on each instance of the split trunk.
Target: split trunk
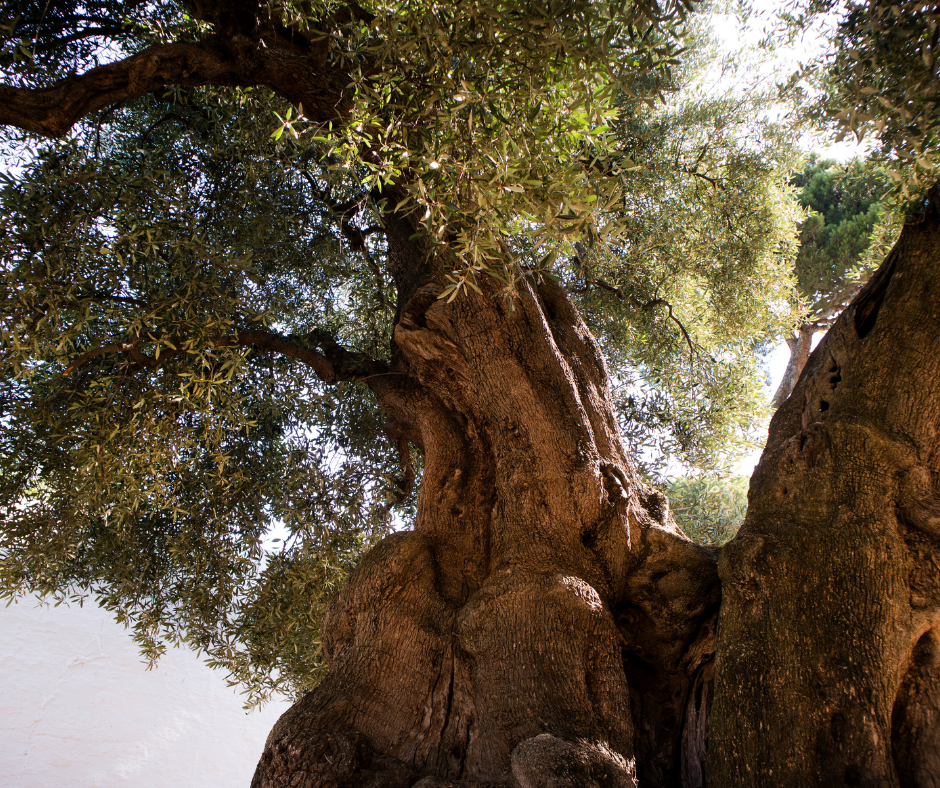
{"x": 546, "y": 624}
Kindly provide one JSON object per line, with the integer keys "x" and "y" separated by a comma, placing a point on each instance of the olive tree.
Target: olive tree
{"x": 438, "y": 264}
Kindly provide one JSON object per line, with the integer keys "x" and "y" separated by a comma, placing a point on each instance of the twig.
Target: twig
{"x": 355, "y": 235}
{"x": 713, "y": 181}
{"x": 646, "y": 306}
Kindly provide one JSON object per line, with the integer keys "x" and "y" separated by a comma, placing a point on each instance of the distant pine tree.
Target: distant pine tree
{"x": 836, "y": 257}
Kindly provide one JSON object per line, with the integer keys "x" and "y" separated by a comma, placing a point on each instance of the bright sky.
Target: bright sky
{"x": 739, "y": 39}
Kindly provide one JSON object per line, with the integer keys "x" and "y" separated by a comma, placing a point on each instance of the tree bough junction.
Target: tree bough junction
{"x": 544, "y": 622}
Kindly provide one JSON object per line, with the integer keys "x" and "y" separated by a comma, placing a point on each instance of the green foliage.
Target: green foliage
{"x": 879, "y": 77}
{"x": 708, "y": 509}
{"x": 273, "y": 640}
{"x": 698, "y": 281}
{"x": 845, "y": 206}
{"x": 153, "y": 488}
{"x": 47, "y": 39}
{"x": 497, "y": 110}
{"x": 886, "y": 73}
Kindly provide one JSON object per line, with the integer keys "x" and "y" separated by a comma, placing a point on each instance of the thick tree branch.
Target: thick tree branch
{"x": 236, "y": 62}
{"x": 334, "y": 364}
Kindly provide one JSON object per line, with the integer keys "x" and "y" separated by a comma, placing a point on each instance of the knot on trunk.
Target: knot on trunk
{"x": 426, "y": 334}
{"x": 615, "y": 484}
{"x": 919, "y": 504}
{"x": 547, "y": 760}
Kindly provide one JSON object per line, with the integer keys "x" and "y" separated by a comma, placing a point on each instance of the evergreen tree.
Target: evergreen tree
{"x": 835, "y": 258}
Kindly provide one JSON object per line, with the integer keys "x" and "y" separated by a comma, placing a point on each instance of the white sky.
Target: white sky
{"x": 738, "y": 39}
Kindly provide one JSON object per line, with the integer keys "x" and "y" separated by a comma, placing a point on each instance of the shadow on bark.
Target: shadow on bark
{"x": 826, "y": 652}
{"x": 546, "y": 624}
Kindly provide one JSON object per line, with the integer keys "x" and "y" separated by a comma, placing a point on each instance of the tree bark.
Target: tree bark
{"x": 545, "y": 623}
{"x": 827, "y": 664}
{"x": 799, "y": 345}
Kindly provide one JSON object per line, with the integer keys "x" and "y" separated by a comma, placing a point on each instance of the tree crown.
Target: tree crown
{"x": 197, "y": 291}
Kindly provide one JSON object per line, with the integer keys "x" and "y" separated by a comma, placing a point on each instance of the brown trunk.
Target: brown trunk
{"x": 799, "y": 345}
{"x": 545, "y": 623}
{"x": 828, "y": 667}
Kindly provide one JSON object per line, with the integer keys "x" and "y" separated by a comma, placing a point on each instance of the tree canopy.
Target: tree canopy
{"x": 197, "y": 296}
{"x": 847, "y": 232}
{"x": 878, "y": 78}
{"x": 845, "y": 207}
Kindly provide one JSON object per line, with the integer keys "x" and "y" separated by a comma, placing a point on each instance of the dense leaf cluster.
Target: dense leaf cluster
{"x": 151, "y": 478}
{"x": 214, "y": 490}
{"x": 500, "y": 114}
{"x": 886, "y": 71}
{"x": 698, "y": 282}
{"x": 709, "y": 509}
{"x": 881, "y": 77}
{"x": 845, "y": 207}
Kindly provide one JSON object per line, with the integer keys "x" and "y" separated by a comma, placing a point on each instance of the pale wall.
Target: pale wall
{"x": 78, "y": 709}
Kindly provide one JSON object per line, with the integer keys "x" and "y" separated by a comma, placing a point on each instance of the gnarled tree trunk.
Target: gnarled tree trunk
{"x": 545, "y": 623}
{"x": 828, "y": 669}
{"x": 799, "y": 345}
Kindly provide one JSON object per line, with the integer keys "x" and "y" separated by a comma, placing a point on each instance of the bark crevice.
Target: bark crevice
{"x": 832, "y": 580}
{"x": 915, "y": 720}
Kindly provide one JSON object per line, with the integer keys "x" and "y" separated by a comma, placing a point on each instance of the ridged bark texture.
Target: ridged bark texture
{"x": 545, "y": 623}
{"x": 828, "y": 671}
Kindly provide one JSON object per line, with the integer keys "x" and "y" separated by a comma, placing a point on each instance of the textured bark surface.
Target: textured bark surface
{"x": 799, "y": 345}
{"x": 545, "y": 623}
{"x": 827, "y": 662}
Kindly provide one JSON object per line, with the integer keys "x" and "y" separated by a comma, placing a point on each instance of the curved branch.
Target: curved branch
{"x": 236, "y": 62}
{"x": 332, "y": 365}
{"x": 114, "y": 347}
{"x": 617, "y": 291}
